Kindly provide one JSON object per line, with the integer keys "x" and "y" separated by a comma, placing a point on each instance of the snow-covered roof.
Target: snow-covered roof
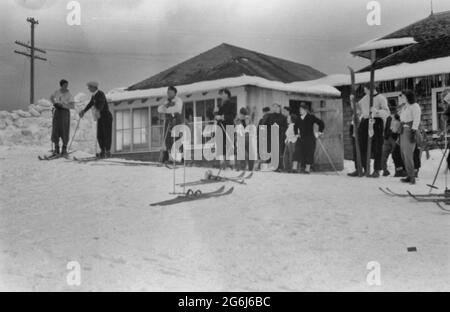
{"x": 298, "y": 87}
{"x": 383, "y": 44}
{"x": 401, "y": 71}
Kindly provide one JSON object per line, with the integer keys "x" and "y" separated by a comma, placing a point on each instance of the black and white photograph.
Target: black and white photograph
{"x": 251, "y": 147}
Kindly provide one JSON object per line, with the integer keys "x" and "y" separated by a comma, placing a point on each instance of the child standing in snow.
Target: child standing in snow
{"x": 290, "y": 142}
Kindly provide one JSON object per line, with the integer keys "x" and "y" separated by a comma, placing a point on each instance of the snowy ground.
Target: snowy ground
{"x": 278, "y": 233}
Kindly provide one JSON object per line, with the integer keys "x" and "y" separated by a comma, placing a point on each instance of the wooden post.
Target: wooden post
{"x": 372, "y": 91}
{"x": 355, "y": 124}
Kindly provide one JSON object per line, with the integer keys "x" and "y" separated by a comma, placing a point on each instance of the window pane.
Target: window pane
{"x": 119, "y": 138}
{"x": 126, "y": 119}
{"x": 209, "y": 110}
{"x": 119, "y": 120}
{"x": 126, "y": 139}
{"x": 188, "y": 112}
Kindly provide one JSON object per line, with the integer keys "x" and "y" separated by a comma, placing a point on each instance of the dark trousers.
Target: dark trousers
{"x": 377, "y": 142}
{"x": 104, "y": 131}
{"x": 61, "y": 126}
{"x": 305, "y": 149}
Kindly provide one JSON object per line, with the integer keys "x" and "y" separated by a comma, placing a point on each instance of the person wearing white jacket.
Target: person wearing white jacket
{"x": 371, "y": 124}
{"x": 410, "y": 117}
{"x": 290, "y": 142}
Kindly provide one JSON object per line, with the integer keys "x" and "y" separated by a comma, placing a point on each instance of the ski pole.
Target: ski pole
{"x": 74, "y": 133}
{"x": 432, "y": 186}
{"x": 328, "y": 156}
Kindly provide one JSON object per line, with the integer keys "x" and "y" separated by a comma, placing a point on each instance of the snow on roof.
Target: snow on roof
{"x": 299, "y": 87}
{"x": 401, "y": 71}
{"x": 383, "y": 44}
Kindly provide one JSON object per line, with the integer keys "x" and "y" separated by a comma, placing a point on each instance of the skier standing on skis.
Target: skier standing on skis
{"x": 225, "y": 117}
{"x": 371, "y": 124}
{"x": 63, "y": 102}
{"x": 410, "y": 117}
{"x": 104, "y": 118}
{"x": 172, "y": 110}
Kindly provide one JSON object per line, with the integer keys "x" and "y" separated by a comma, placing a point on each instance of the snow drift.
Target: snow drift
{"x": 33, "y": 126}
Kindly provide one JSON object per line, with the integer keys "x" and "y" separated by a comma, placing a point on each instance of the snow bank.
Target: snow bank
{"x": 384, "y": 43}
{"x": 400, "y": 71}
{"x": 300, "y": 87}
{"x": 33, "y": 126}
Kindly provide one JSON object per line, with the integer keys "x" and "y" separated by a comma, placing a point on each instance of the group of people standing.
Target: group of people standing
{"x": 63, "y": 102}
{"x": 392, "y": 131}
{"x": 297, "y": 137}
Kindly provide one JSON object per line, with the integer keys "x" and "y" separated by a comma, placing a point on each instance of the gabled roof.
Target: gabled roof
{"x": 434, "y": 26}
{"x": 227, "y": 61}
{"x": 425, "y": 50}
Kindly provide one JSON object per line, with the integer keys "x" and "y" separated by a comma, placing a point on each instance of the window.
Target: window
{"x": 205, "y": 109}
{"x": 140, "y": 128}
{"x": 123, "y": 130}
{"x": 157, "y": 129}
{"x": 188, "y": 112}
{"x": 437, "y": 110}
{"x": 294, "y": 106}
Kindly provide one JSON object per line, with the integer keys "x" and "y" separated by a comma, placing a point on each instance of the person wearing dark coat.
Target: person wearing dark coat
{"x": 306, "y": 144}
{"x": 104, "y": 118}
{"x": 264, "y": 121}
{"x": 225, "y": 117}
{"x": 277, "y": 118}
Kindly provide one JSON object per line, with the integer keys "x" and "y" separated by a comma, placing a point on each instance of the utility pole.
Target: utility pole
{"x": 32, "y": 55}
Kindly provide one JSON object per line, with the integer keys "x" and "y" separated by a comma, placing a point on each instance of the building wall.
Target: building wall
{"x": 254, "y": 98}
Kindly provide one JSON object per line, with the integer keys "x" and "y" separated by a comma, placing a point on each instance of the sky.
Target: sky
{"x": 121, "y": 42}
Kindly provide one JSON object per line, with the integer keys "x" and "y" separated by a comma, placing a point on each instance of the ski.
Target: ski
{"x": 239, "y": 179}
{"x": 192, "y": 196}
{"x": 428, "y": 199}
{"x": 56, "y": 156}
{"x": 389, "y": 192}
{"x": 439, "y": 204}
{"x": 85, "y": 159}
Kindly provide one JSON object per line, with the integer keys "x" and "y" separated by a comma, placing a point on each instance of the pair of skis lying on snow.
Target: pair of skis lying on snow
{"x": 439, "y": 199}
{"x": 195, "y": 195}
{"x": 240, "y": 179}
{"x": 198, "y": 195}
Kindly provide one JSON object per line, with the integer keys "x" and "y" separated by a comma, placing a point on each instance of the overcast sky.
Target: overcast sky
{"x": 121, "y": 42}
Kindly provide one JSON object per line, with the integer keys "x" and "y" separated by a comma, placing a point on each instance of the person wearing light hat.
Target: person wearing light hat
{"x": 104, "y": 118}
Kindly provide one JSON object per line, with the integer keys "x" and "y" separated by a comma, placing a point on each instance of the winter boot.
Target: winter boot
{"x": 386, "y": 173}
{"x": 409, "y": 180}
{"x": 107, "y": 154}
{"x": 56, "y": 150}
{"x": 400, "y": 173}
{"x": 64, "y": 151}
{"x": 353, "y": 174}
{"x": 375, "y": 174}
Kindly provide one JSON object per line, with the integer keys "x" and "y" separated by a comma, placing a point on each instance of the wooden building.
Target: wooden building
{"x": 255, "y": 81}
{"x": 416, "y": 57}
